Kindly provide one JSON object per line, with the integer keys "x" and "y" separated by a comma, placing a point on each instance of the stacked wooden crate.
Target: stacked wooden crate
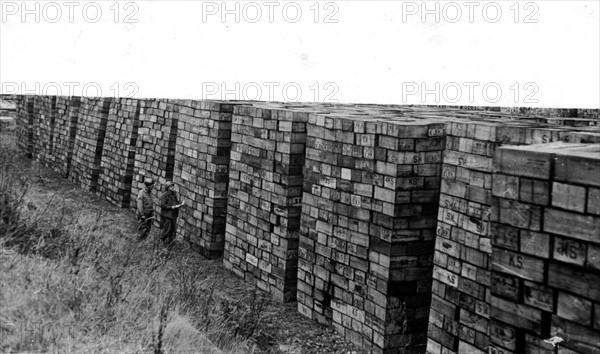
{"x": 546, "y": 249}
{"x": 155, "y": 146}
{"x": 116, "y": 175}
{"x": 585, "y": 135}
{"x": 89, "y": 142}
{"x": 265, "y": 196}
{"x": 45, "y": 111}
{"x": 65, "y": 129}
{"x": 202, "y": 173}
{"x": 25, "y": 124}
{"x": 37, "y": 126}
{"x": 369, "y": 212}
{"x": 460, "y": 310}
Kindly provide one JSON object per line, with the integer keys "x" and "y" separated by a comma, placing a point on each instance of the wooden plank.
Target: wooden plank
{"x": 578, "y": 226}
{"x": 518, "y": 315}
{"x": 568, "y": 196}
{"x": 505, "y": 286}
{"x": 535, "y": 243}
{"x": 574, "y": 308}
{"x": 503, "y": 335}
{"x": 579, "y": 166}
{"x": 538, "y": 295}
{"x": 524, "y": 161}
{"x": 569, "y": 251}
{"x": 519, "y": 265}
{"x": 574, "y": 279}
{"x": 576, "y": 337}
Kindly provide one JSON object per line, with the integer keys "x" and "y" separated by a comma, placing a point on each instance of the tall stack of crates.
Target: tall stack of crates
{"x": 25, "y": 124}
{"x": 37, "y": 126}
{"x": 155, "y": 146}
{"x": 202, "y": 173}
{"x": 265, "y": 196}
{"x": 368, "y": 225}
{"x": 65, "y": 129}
{"x": 89, "y": 142}
{"x": 45, "y": 110}
{"x": 546, "y": 254}
{"x": 406, "y": 228}
{"x": 460, "y": 309}
{"x": 119, "y": 151}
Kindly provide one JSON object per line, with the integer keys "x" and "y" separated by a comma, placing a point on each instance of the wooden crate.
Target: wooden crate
{"x": 89, "y": 142}
{"x": 265, "y": 195}
{"x": 464, "y": 235}
{"x": 65, "y": 130}
{"x": 116, "y": 175}
{"x": 202, "y": 173}
{"x": 371, "y": 190}
{"x": 545, "y": 267}
{"x": 44, "y": 108}
{"x": 25, "y": 119}
{"x": 155, "y": 147}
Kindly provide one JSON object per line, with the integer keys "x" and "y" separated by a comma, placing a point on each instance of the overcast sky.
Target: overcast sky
{"x": 506, "y": 53}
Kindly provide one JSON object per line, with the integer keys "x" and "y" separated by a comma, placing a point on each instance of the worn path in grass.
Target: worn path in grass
{"x": 106, "y": 282}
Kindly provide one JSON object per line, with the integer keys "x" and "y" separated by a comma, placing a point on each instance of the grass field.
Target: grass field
{"x": 73, "y": 279}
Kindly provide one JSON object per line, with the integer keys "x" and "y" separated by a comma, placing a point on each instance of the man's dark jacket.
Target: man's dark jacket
{"x": 167, "y": 201}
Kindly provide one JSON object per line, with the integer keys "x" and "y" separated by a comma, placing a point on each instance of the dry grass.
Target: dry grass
{"x": 74, "y": 280}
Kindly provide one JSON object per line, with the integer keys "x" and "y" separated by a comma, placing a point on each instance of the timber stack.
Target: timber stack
{"x": 546, "y": 255}
{"x": 155, "y": 146}
{"x": 371, "y": 192}
{"x": 116, "y": 177}
{"x": 202, "y": 173}
{"x": 89, "y": 142}
{"x": 45, "y": 114}
{"x": 265, "y": 196}
{"x": 65, "y": 129}
{"x": 24, "y": 122}
{"x": 460, "y": 310}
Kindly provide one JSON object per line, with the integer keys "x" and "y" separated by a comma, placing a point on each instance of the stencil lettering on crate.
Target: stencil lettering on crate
{"x": 445, "y": 276}
{"x": 503, "y": 335}
{"x": 529, "y": 268}
{"x": 569, "y": 251}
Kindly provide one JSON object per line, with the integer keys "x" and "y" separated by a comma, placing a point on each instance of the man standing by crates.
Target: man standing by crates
{"x": 169, "y": 204}
{"x": 145, "y": 209}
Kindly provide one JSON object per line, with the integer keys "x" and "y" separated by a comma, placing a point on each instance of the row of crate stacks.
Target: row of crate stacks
{"x": 546, "y": 257}
{"x": 462, "y": 312}
{"x": 406, "y": 228}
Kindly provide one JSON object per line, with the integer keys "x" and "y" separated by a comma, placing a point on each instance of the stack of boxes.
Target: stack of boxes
{"x": 65, "y": 129}
{"x": 460, "y": 310}
{"x": 155, "y": 147}
{"x": 265, "y": 196}
{"x": 119, "y": 151}
{"x": 89, "y": 142}
{"x": 202, "y": 173}
{"x": 347, "y": 203}
{"x": 25, "y": 124}
{"x": 368, "y": 224}
{"x": 546, "y": 249}
{"x": 45, "y": 110}
{"x": 581, "y": 135}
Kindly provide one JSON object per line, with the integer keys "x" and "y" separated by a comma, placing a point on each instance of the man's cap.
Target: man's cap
{"x": 169, "y": 184}
{"x": 148, "y": 181}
